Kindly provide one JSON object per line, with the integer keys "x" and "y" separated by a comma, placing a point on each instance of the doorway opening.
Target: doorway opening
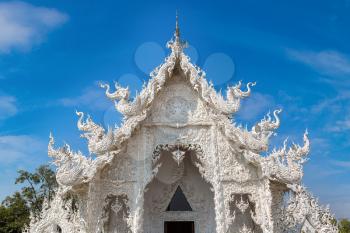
{"x": 179, "y": 227}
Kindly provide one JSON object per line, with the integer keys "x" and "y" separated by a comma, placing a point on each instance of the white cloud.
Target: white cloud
{"x": 14, "y": 148}
{"x": 339, "y": 126}
{"x": 336, "y": 110}
{"x": 92, "y": 98}
{"x": 327, "y": 61}
{"x": 337, "y": 104}
{"x": 8, "y": 107}
{"x": 332, "y": 104}
{"x": 343, "y": 164}
{"x": 22, "y": 25}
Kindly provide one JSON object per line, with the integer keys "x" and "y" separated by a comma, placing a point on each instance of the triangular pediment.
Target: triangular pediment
{"x": 177, "y": 102}
{"x": 179, "y": 202}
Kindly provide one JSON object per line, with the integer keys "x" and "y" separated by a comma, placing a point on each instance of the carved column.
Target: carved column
{"x": 142, "y": 180}
{"x": 277, "y": 205}
{"x": 268, "y": 206}
{"x": 217, "y": 186}
{"x": 263, "y": 212}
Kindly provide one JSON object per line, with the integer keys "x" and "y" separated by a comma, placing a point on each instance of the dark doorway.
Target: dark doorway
{"x": 179, "y": 227}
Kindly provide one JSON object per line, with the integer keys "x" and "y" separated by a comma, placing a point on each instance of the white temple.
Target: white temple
{"x": 180, "y": 164}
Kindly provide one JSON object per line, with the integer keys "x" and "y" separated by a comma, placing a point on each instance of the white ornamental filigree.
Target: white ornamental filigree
{"x": 227, "y": 106}
{"x": 177, "y": 150}
{"x": 142, "y": 102}
{"x": 230, "y": 215}
{"x": 61, "y": 215}
{"x": 265, "y": 128}
{"x": 73, "y": 168}
{"x": 303, "y": 206}
{"x": 245, "y": 229}
{"x": 242, "y": 205}
{"x": 178, "y": 156}
{"x": 121, "y": 100}
{"x": 70, "y": 165}
{"x": 287, "y": 164}
{"x": 117, "y": 204}
{"x": 99, "y": 142}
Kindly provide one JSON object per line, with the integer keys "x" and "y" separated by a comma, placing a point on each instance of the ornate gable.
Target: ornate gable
{"x": 178, "y": 95}
{"x": 177, "y": 131}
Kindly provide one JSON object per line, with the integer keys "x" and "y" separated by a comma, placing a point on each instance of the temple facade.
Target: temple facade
{"x": 179, "y": 164}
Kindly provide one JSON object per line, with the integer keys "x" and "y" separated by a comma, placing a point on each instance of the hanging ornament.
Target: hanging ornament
{"x": 242, "y": 205}
{"x": 178, "y": 155}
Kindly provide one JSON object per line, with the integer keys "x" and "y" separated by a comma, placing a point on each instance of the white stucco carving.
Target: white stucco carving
{"x": 179, "y": 132}
{"x": 61, "y": 215}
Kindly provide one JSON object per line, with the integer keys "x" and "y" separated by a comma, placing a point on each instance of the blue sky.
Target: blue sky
{"x": 54, "y": 53}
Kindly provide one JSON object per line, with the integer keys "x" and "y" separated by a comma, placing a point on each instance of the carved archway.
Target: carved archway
{"x": 178, "y": 152}
{"x": 180, "y": 166}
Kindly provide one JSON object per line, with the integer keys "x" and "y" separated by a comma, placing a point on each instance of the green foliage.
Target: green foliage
{"x": 37, "y": 186}
{"x": 14, "y": 214}
{"x": 40, "y": 185}
{"x": 344, "y": 226}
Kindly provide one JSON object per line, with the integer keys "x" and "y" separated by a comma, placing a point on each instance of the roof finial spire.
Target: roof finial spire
{"x": 177, "y": 29}
{"x": 175, "y": 44}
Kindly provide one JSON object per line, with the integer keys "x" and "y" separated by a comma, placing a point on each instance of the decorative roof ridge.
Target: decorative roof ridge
{"x": 285, "y": 164}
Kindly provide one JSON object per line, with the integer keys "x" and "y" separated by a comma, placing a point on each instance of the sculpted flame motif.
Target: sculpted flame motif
{"x": 121, "y": 100}
{"x": 124, "y": 160}
{"x": 286, "y": 164}
{"x": 264, "y": 129}
{"x": 233, "y": 98}
{"x": 99, "y": 142}
{"x": 70, "y": 165}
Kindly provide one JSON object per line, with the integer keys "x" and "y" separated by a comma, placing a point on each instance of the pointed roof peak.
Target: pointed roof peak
{"x": 176, "y": 44}
{"x": 177, "y": 29}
